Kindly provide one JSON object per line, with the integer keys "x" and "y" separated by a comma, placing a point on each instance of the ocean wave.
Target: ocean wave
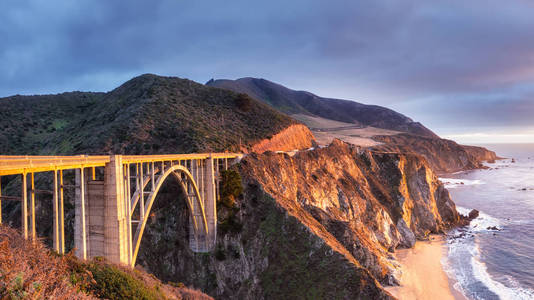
{"x": 451, "y": 183}
{"x": 465, "y": 265}
{"x": 485, "y": 221}
{"x": 511, "y": 292}
{"x": 482, "y": 222}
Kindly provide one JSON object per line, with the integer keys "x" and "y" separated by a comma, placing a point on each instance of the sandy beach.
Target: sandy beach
{"x": 423, "y": 276}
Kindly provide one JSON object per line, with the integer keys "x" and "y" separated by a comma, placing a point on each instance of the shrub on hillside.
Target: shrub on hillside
{"x": 29, "y": 271}
{"x": 230, "y": 187}
{"x": 110, "y": 281}
{"x": 243, "y": 102}
{"x": 230, "y": 225}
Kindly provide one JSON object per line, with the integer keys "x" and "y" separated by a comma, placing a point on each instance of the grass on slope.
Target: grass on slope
{"x": 148, "y": 114}
{"x": 27, "y": 123}
{"x": 30, "y": 271}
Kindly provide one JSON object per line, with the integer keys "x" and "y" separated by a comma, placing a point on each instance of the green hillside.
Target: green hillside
{"x": 148, "y": 114}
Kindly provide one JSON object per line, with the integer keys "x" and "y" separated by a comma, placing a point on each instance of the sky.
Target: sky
{"x": 465, "y": 69}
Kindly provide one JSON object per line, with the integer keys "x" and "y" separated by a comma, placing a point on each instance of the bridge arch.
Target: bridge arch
{"x": 193, "y": 199}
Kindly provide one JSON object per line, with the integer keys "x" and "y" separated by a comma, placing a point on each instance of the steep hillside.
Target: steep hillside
{"x": 148, "y": 114}
{"x": 30, "y": 271}
{"x": 318, "y": 225}
{"x": 301, "y": 102}
{"x": 29, "y": 123}
{"x": 444, "y": 156}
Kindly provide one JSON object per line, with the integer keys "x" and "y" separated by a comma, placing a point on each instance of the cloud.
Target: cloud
{"x": 435, "y": 61}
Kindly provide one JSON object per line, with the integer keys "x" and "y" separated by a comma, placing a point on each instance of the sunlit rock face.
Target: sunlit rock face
{"x": 370, "y": 202}
{"x": 294, "y": 137}
{"x": 443, "y": 156}
{"x": 319, "y": 224}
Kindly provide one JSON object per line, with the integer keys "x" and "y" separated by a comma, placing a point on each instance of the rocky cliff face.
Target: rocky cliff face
{"x": 444, "y": 156}
{"x": 481, "y": 153}
{"x": 294, "y": 137}
{"x": 320, "y": 224}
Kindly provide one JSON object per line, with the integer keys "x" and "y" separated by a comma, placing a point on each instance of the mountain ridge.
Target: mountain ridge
{"x": 294, "y": 102}
{"x": 147, "y": 114}
{"x": 365, "y": 125}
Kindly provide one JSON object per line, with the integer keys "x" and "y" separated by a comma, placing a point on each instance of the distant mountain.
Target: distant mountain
{"x": 301, "y": 102}
{"x": 386, "y": 129}
{"x": 148, "y": 114}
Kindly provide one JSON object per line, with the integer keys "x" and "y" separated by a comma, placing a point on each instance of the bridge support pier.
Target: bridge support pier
{"x": 104, "y": 208}
{"x": 116, "y": 215}
{"x": 101, "y": 227}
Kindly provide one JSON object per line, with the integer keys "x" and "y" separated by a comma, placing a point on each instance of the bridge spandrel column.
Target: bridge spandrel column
{"x": 197, "y": 239}
{"x": 80, "y": 216}
{"x": 115, "y": 219}
{"x": 210, "y": 203}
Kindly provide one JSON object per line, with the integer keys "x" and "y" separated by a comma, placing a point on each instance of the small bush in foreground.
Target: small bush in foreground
{"x": 29, "y": 271}
{"x": 110, "y": 281}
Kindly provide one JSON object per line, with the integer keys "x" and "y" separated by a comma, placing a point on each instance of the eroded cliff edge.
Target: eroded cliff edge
{"x": 320, "y": 224}
{"x": 294, "y": 137}
{"x": 444, "y": 156}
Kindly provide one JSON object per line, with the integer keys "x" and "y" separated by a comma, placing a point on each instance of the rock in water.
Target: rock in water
{"x": 473, "y": 214}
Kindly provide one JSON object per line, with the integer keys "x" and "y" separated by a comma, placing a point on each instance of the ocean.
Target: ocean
{"x": 494, "y": 257}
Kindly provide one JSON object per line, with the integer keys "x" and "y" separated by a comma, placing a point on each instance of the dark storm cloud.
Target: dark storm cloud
{"x": 436, "y": 61}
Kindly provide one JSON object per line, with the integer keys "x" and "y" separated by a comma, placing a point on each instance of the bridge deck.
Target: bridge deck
{"x": 12, "y": 165}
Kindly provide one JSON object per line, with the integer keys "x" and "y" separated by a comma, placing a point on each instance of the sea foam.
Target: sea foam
{"x": 451, "y": 183}
{"x": 465, "y": 265}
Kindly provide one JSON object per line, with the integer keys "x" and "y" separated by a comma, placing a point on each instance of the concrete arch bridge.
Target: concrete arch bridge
{"x": 114, "y": 195}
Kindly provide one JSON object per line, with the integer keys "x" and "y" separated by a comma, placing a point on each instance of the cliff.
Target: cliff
{"x": 320, "y": 224}
{"x": 295, "y": 137}
{"x": 444, "y": 156}
{"x": 481, "y": 154}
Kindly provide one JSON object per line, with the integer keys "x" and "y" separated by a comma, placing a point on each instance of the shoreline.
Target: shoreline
{"x": 423, "y": 276}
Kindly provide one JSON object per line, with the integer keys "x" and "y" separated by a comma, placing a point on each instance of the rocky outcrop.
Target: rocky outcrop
{"x": 262, "y": 252}
{"x": 444, "y": 156}
{"x": 371, "y": 202}
{"x": 481, "y": 154}
{"x": 294, "y": 137}
{"x": 320, "y": 224}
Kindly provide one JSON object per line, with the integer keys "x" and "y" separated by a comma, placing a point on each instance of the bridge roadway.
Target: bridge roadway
{"x": 114, "y": 195}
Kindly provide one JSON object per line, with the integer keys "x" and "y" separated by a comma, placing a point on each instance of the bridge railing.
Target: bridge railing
{"x": 13, "y": 165}
{"x": 10, "y": 165}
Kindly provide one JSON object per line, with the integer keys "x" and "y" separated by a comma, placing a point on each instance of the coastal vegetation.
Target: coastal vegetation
{"x": 230, "y": 187}
{"x": 29, "y": 270}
